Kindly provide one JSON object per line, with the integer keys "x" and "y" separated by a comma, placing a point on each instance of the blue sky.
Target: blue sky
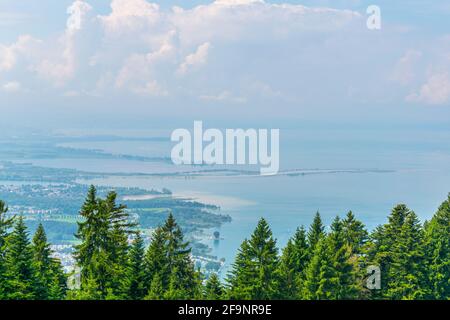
{"x": 61, "y": 60}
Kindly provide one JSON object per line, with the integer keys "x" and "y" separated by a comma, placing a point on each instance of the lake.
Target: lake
{"x": 371, "y": 172}
{"x": 416, "y": 164}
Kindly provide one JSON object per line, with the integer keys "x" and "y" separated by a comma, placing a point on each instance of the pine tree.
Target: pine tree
{"x": 197, "y": 292}
{"x": 213, "y": 288}
{"x": 288, "y": 273}
{"x": 300, "y": 246}
{"x": 382, "y": 243}
{"x": 89, "y": 291}
{"x": 293, "y": 265}
{"x": 254, "y": 274}
{"x": 19, "y": 263}
{"x": 119, "y": 229}
{"x": 407, "y": 272}
{"x": 155, "y": 262}
{"x": 344, "y": 264}
{"x": 169, "y": 258}
{"x": 398, "y": 249}
{"x": 438, "y": 252}
{"x": 5, "y": 225}
{"x": 264, "y": 250}
{"x": 396, "y": 221}
{"x": 316, "y": 232}
{"x": 50, "y": 278}
{"x": 86, "y": 234}
{"x": 355, "y": 233}
{"x": 58, "y": 287}
{"x": 415, "y": 260}
{"x": 102, "y": 254}
{"x": 99, "y": 265}
{"x": 155, "y": 291}
{"x": 318, "y": 277}
{"x": 240, "y": 278}
{"x": 135, "y": 275}
{"x": 180, "y": 267}
{"x": 376, "y": 253}
{"x": 42, "y": 263}
{"x": 176, "y": 291}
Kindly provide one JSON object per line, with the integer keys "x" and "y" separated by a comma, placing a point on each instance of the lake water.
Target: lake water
{"x": 417, "y": 164}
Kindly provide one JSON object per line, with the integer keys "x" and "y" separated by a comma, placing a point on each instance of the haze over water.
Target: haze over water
{"x": 370, "y": 172}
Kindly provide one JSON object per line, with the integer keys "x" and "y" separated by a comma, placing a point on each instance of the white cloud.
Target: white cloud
{"x": 78, "y": 14}
{"x": 436, "y": 90}
{"x": 404, "y": 71}
{"x": 240, "y": 20}
{"x": 198, "y": 58}
{"x": 237, "y": 2}
{"x": 154, "y": 41}
{"x": 9, "y": 55}
{"x": 233, "y": 50}
{"x": 139, "y": 68}
{"x": 7, "y": 58}
{"x": 130, "y": 15}
{"x": 60, "y": 64}
{"x": 12, "y": 86}
{"x": 138, "y": 46}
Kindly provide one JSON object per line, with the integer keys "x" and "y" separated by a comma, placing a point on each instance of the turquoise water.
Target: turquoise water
{"x": 288, "y": 202}
{"x": 417, "y": 164}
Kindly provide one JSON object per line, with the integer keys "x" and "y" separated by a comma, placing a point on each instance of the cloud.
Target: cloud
{"x": 11, "y": 87}
{"x": 233, "y": 51}
{"x": 404, "y": 71}
{"x": 237, "y": 2}
{"x": 61, "y": 67}
{"x": 7, "y": 58}
{"x": 78, "y": 13}
{"x": 130, "y": 15}
{"x": 9, "y": 55}
{"x": 138, "y": 47}
{"x": 246, "y": 20}
{"x": 435, "y": 91}
{"x": 198, "y": 58}
{"x": 138, "y": 71}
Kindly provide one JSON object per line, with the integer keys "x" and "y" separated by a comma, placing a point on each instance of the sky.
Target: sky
{"x": 128, "y": 63}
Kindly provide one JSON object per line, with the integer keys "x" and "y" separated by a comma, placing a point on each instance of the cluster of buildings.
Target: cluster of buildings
{"x": 64, "y": 252}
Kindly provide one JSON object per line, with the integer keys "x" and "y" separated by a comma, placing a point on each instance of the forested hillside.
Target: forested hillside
{"x": 317, "y": 262}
